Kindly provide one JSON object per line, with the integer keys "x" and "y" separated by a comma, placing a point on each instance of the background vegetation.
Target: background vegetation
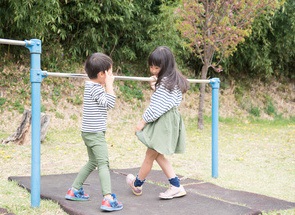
{"x": 256, "y": 96}
{"x": 129, "y": 30}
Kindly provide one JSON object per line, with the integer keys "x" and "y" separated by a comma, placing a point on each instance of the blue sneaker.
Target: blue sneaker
{"x": 76, "y": 195}
{"x": 111, "y": 205}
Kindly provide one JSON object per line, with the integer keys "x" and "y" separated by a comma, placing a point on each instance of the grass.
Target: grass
{"x": 254, "y": 156}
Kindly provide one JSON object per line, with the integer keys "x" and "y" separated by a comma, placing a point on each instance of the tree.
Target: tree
{"x": 214, "y": 28}
{"x": 74, "y": 29}
{"x": 270, "y": 50}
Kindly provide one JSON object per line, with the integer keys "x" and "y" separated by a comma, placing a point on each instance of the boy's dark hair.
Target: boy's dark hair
{"x": 163, "y": 57}
{"x": 97, "y": 62}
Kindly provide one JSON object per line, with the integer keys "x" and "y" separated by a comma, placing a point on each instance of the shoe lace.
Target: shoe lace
{"x": 80, "y": 193}
{"x": 169, "y": 190}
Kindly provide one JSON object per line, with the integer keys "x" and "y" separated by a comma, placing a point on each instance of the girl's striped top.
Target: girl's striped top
{"x": 162, "y": 101}
{"x": 95, "y": 105}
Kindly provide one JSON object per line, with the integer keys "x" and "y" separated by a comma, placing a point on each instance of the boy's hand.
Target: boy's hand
{"x": 109, "y": 81}
{"x": 109, "y": 76}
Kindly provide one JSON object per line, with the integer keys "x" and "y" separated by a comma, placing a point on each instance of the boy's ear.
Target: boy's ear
{"x": 100, "y": 74}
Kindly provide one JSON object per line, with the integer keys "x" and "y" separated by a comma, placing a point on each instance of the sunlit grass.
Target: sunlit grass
{"x": 254, "y": 156}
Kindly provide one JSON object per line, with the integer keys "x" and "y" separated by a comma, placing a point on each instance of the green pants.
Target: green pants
{"x": 98, "y": 157}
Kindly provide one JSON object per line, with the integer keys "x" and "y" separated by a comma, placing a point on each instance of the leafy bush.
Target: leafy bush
{"x": 2, "y": 101}
{"x": 255, "y": 111}
{"x": 270, "y": 109}
{"x": 130, "y": 91}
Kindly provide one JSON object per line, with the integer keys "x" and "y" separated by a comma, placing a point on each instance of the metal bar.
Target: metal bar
{"x": 14, "y": 42}
{"x": 35, "y": 78}
{"x": 198, "y": 81}
{"x": 122, "y": 78}
{"x": 215, "y": 84}
{"x": 64, "y": 75}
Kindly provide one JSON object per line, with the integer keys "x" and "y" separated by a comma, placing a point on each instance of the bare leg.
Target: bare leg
{"x": 147, "y": 164}
{"x": 165, "y": 166}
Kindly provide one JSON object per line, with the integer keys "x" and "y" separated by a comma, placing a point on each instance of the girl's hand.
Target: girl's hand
{"x": 153, "y": 82}
{"x": 140, "y": 125}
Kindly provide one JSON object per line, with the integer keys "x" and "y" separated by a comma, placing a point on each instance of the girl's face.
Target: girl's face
{"x": 155, "y": 70}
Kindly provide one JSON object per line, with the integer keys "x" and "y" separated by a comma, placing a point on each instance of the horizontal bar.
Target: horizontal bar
{"x": 64, "y": 75}
{"x": 14, "y": 42}
{"x": 122, "y": 78}
{"x": 198, "y": 81}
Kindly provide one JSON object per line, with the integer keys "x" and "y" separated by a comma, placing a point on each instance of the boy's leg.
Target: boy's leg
{"x": 100, "y": 151}
{"x": 89, "y": 166}
{"x": 76, "y": 192}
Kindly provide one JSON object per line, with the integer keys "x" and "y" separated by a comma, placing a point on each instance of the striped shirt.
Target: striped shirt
{"x": 95, "y": 105}
{"x": 162, "y": 101}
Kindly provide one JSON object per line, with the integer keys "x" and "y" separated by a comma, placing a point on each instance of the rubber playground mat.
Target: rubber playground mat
{"x": 202, "y": 198}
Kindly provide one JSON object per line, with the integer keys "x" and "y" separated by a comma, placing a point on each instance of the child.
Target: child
{"x": 99, "y": 97}
{"x": 161, "y": 128}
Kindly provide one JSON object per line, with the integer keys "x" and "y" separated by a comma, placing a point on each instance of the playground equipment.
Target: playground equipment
{"x": 36, "y": 77}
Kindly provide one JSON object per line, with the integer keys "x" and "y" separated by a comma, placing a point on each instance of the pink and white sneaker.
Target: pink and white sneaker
{"x": 173, "y": 192}
{"x": 130, "y": 181}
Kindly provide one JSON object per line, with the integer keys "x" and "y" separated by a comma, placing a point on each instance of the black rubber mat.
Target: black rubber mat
{"x": 202, "y": 198}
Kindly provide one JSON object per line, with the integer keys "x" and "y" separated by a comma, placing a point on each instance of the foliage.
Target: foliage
{"x": 25, "y": 20}
{"x": 129, "y": 30}
{"x": 71, "y": 30}
{"x": 213, "y": 30}
{"x": 270, "y": 108}
{"x": 2, "y": 101}
{"x": 130, "y": 91}
{"x": 270, "y": 50}
{"x": 255, "y": 111}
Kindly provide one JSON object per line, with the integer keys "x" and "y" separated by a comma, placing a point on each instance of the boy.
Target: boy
{"x": 99, "y": 97}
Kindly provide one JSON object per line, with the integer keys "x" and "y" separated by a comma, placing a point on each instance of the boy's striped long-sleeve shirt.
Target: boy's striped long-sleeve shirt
{"x": 95, "y": 106}
{"x": 162, "y": 101}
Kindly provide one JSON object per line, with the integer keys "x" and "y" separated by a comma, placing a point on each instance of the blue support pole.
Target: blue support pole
{"x": 36, "y": 77}
{"x": 215, "y": 84}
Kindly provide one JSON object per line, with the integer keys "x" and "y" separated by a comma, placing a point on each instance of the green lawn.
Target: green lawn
{"x": 253, "y": 156}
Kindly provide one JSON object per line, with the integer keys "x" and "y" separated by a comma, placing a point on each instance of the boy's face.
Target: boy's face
{"x": 101, "y": 76}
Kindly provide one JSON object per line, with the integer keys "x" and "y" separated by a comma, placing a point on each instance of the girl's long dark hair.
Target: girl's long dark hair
{"x": 164, "y": 58}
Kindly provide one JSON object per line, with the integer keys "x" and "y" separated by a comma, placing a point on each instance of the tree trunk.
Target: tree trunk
{"x": 23, "y": 132}
{"x": 202, "y": 98}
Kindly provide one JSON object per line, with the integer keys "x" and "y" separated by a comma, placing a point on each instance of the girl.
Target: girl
{"x": 161, "y": 128}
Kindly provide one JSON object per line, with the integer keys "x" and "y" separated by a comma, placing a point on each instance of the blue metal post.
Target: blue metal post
{"x": 215, "y": 84}
{"x": 36, "y": 78}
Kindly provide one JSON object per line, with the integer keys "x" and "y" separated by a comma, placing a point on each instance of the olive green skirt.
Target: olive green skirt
{"x": 166, "y": 135}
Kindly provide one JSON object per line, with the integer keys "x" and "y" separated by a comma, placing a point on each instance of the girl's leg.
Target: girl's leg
{"x": 165, "y": 166}
{"x": 147, "y": 164}
{"x": 136, "y": 182}
{"x": 176, "y": 190}
{"x": 168, "y": 170}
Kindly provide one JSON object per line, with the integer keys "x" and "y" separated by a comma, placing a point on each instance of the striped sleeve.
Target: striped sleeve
{"x": 101, "y": 97}
{"x": 95, "y": 105}
{"x": 162, "y": 101}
